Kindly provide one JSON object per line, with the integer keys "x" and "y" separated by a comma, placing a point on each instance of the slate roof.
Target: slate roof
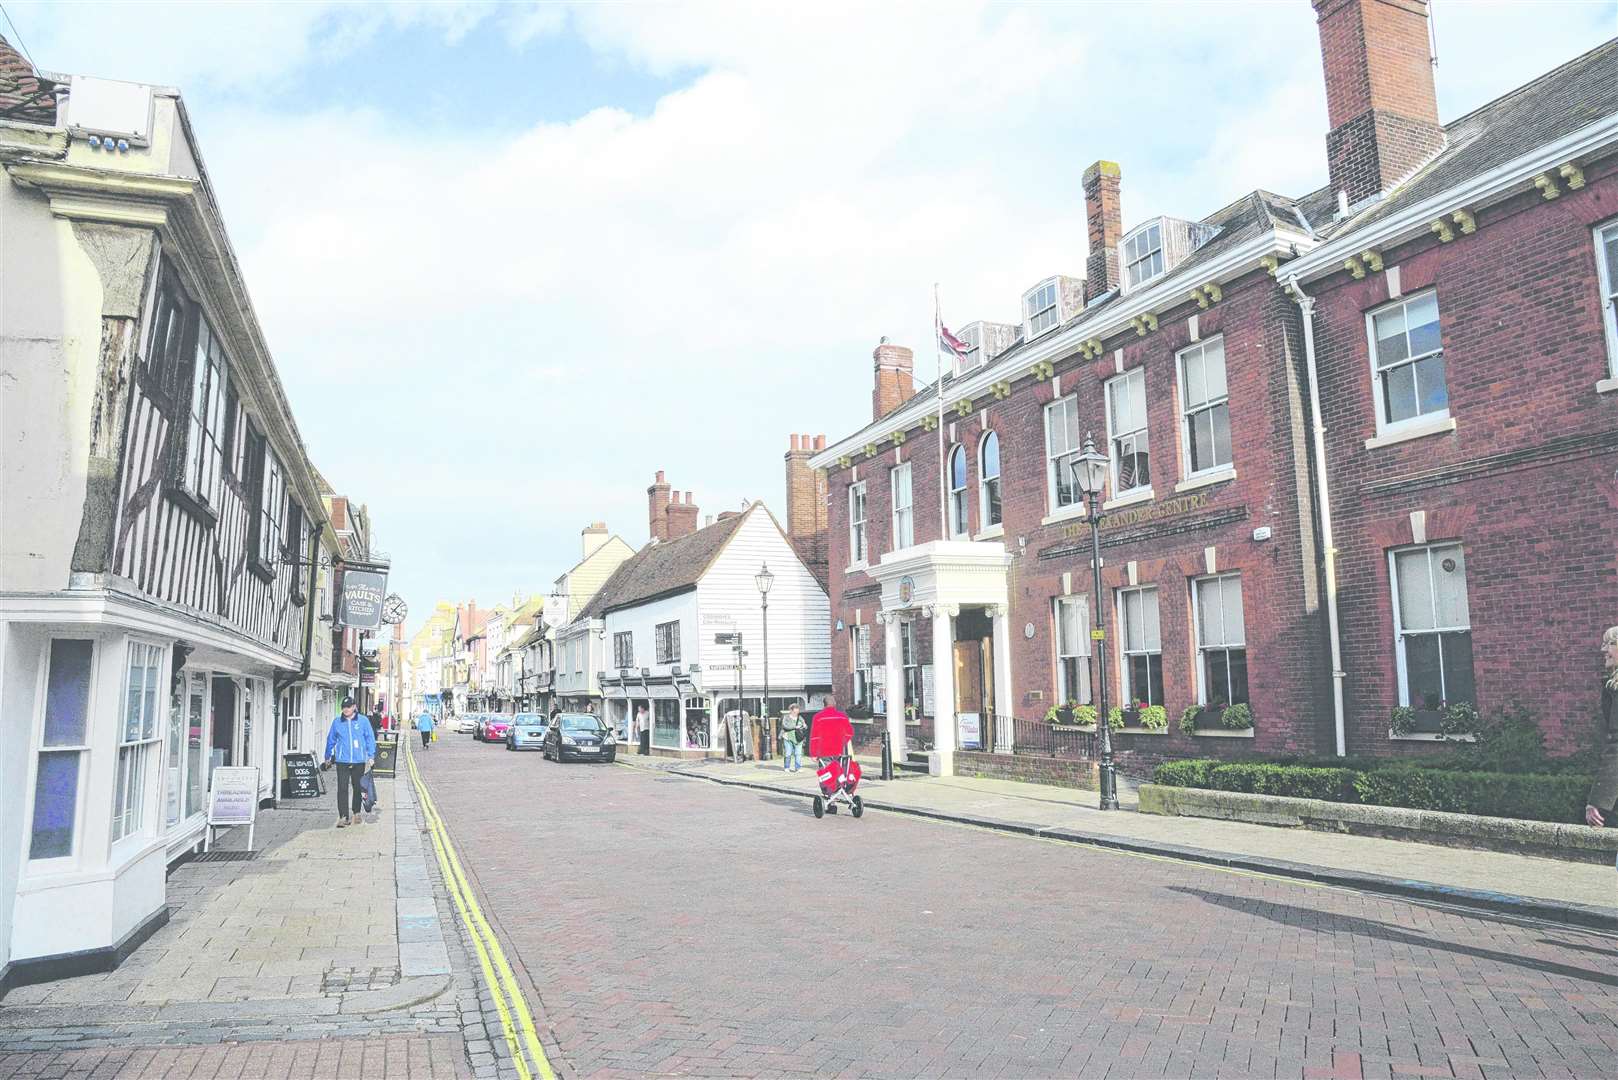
{"x": 658, "y": 570}
{"x": 1553, "y": 106}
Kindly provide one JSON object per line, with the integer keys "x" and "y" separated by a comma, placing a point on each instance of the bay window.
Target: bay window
{"x": 62, "y": 741}
{"x": 140, "y": 739}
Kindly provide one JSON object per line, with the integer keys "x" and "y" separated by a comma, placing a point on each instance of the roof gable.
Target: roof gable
{"x": 662, "y": 569}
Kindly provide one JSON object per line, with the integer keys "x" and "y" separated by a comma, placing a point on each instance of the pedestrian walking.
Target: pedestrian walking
{"x": 643, "y": 731}
{"x": 792, "y": 739}
{"x": 350, "y": 746}
{"x": 376, "y": 721}
{"x": 424, "y": 724}
{"x": 1599, "y": 805}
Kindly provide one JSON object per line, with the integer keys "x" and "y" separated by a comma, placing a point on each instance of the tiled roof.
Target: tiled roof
{"x": 661, "y": 569}
{"x": 1553, "y": 106}
{"x": 23, "y": 94}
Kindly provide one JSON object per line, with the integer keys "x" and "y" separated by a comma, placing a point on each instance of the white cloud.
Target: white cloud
{"x": 522, "y": 326}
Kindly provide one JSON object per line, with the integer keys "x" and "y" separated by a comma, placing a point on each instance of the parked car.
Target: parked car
{"x": 466, "y": 724}
{"x": 527, "y": 732}
{"x": 580, "y": 735}
{"x": 495, "y": 726}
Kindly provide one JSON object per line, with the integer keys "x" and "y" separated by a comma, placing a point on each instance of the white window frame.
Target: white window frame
{"x": 1065, "y": 693}
{"x": 272, "y": 503}
{"x": 206, "y": 425}
{"x": 132, "y": 801}
{"x": 292, "y": 720}
{"x": 1131, "y": 245}
{"x": 53, "y": 863}
{"x": 1399, "y": 634}
{"x": 1125, "y": 678}
{"x": 1379, "y": 400}
{"x": 959, "y": 515}
{"x": 904, "y": 517}
{"x": 910, "y": 662}
{"x": 1058, "y": 465}
{"x": 1208, "y": 404}
{"x": 857, "y": 634}
{"x": 1203, "y": 647}
{"x": 1042, "y": 315}
{"x": 1142, "y": 433}
{"x": 859, "y": 533}
{"x": 1608, "y": 276}
{"x": 985, "y": 480}
{"x": 972, "y": 337}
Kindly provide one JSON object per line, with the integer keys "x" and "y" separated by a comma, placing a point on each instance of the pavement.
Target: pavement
{"x": 663, "y": 925}
{"x": 329, "y": 952}
{"x": 1581, "y": 893}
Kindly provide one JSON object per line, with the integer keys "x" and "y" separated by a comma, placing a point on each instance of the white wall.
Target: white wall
{"x": 800, "y": 614}
{"x": 50, "y": 341}
{"x": 642, "y": 621}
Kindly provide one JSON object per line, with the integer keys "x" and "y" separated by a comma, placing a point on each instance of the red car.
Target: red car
{"x": 495, "y": 728}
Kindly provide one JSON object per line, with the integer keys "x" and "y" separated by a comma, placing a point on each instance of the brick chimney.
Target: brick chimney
{"x": 895, "y": 380}
{"x": 657, "y": 507}
{"x": 806, "y": 487}
{"x": 1103, "y": 210}
{"x": 594, "y": 535}
{"x": 1380, "y": 98}
{"x": 23, "y": 94}
{"x": 682, "y": 517}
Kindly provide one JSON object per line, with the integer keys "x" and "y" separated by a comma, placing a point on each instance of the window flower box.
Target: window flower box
{"x": 1218, "y": 720}
{"x": 1139, "y": 718}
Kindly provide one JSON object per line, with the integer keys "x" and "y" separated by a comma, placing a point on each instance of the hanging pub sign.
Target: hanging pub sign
{"x": 363, "y": 593}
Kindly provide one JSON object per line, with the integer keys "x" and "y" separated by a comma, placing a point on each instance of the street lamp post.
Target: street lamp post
{"x": 1090, "y": 475}
{"x": 764, "y": 580}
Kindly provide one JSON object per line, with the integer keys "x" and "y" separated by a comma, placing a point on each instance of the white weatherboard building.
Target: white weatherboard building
{"x": 652, "y": 631}
{"x": 157, "y": 516}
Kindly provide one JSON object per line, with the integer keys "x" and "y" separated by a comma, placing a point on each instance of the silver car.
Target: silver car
{"x": 527, "y": 732}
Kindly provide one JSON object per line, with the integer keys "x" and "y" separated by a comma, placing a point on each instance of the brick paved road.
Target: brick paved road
{"x": 670, "y": 925}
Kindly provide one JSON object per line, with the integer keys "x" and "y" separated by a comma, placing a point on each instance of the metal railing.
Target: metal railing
{"x": 1014, "y": 735}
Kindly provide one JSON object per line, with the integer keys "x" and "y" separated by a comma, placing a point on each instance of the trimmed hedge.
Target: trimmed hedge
{"x": 1529, "y": 796}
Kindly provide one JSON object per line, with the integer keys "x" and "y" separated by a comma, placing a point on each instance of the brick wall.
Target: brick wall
{"x": 1060, "y": 772}
{"x": 1525, "y": 481}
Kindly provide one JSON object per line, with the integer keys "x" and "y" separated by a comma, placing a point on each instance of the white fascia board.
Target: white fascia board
{"x": 1408, "y": 224}
{"x": 1057, "y": 346}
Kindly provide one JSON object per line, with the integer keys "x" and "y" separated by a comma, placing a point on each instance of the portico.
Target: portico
{"x": 962, "y": 587}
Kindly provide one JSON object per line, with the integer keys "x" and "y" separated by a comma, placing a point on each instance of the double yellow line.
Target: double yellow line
{"x": 515, "y": 1019}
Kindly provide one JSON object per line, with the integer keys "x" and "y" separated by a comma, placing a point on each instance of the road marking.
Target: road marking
{"x": 515, "y": 1019}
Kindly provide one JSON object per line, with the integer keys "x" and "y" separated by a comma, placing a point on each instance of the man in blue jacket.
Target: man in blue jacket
{"x": 352, "y": 746}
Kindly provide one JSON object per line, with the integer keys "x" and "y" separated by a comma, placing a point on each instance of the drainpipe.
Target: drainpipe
{"x": 1306, "y": 304}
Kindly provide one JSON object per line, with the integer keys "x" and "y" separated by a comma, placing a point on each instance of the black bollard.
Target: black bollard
{"x": 887, "y": 756}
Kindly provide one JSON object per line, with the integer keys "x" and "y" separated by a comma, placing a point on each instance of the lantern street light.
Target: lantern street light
{"x": 764, "y": 580}
{"x": 1090, "y": 470}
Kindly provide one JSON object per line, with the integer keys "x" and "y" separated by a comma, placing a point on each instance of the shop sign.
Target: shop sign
{"x": 363, "y": 594}
{"x": 970, "y": 727}
{"x": 1145, "y": 514}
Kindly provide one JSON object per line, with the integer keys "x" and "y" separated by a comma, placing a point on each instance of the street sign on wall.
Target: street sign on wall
{"x": 363, "y": 593}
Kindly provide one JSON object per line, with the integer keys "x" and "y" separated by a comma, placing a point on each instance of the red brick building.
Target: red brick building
{"x": 1480, "y": 440}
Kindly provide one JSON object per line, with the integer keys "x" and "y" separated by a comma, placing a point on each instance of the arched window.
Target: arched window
{"x": 989, "y": 482}
{"x": 957, "y": 491}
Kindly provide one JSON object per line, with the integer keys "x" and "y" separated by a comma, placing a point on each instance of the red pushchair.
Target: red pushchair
{"x": 830, "y": 735}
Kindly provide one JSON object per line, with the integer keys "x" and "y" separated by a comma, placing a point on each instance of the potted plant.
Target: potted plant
{"x": 1085, "y": 716}
{"x": 1154, "y": 718}
{"x": 1189, "y": 719}
{"x": 1115, "y": 718}
{"x": 1459, "y": 719}
{"x": 1237, "y": 717}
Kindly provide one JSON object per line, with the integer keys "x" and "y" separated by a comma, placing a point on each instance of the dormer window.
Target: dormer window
{"x": 973, "y": 336}
{"x": 1143, "y": 255}
{"x": 1039, "y": 308}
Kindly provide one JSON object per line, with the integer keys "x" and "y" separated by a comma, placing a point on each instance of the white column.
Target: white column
{"x": 894, "y": 681}
{"x": 1003, "y": 697}
{"x": 942, "y": 760}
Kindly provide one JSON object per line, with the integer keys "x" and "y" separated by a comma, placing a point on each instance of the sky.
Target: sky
{"x": 512, "y": 259}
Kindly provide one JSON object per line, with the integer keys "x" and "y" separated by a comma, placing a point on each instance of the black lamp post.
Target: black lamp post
{"x": 1090, "y": 476}
{"x": 764, "y": 579}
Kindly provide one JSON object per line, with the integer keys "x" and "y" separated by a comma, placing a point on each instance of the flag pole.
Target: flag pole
{"x": 938, "y": 366}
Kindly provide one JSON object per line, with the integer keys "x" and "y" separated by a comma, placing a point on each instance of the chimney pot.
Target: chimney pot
{"x": 820, "y": 442}
{"x": 794, "y": 442}
{"x": 895, "y": 378}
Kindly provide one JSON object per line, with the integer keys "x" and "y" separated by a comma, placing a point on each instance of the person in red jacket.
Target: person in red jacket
{"x": 831, "y": 733}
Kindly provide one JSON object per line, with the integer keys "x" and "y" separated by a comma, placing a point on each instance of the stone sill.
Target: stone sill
{"x": 1607, "y": 386}
{"x": 1066, "y": 513}
{"x": 1130, "y": 498}
{"x": 1417, "y": 430}
{"x": 1223, "y": 733}
{"x": 1207, "y": 479}
{"x": 1139, "y": 731}
{"x": 1557, "y": 840}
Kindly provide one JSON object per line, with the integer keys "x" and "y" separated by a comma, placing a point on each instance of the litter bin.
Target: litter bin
{"x": 387, "y": 753}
